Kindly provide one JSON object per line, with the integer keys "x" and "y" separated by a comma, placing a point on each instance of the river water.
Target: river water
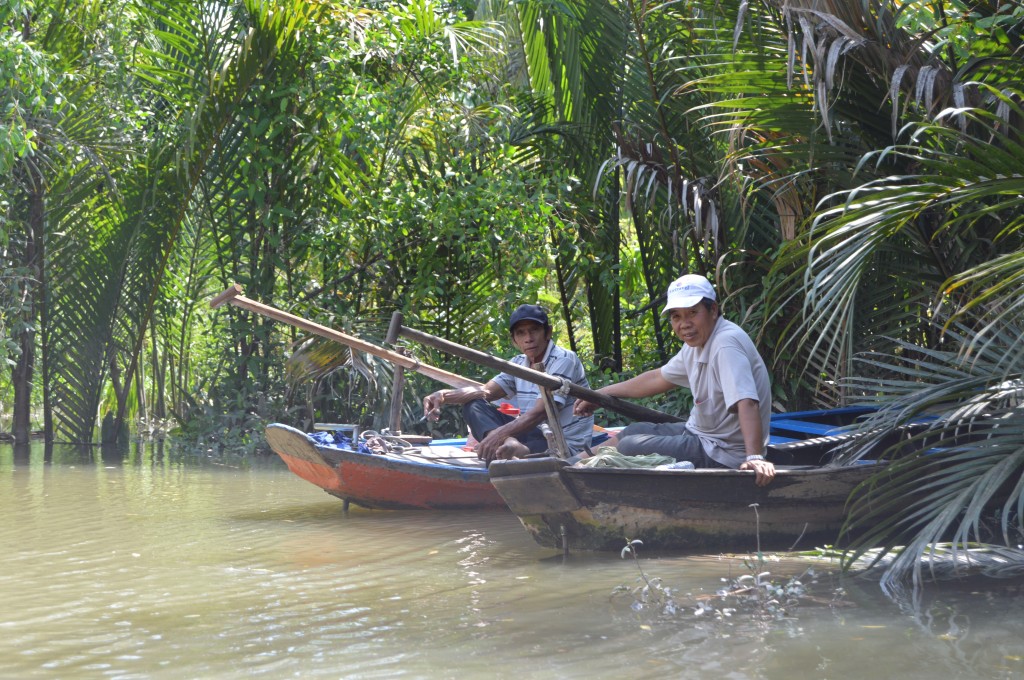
{"x": 155, "y": 567}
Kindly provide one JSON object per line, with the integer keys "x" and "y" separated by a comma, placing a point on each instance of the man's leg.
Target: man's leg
{"x": 482, "y": 418}
{"x": 667, "y": 439}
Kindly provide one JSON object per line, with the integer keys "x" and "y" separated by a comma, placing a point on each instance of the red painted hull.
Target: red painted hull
{"x": 382, "y": 481}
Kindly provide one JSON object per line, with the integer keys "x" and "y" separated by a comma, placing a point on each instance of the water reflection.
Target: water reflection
{"x": 157, "y": 564}
{"x": 39, "y": 453}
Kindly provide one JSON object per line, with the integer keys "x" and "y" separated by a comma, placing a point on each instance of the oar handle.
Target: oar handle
{"x": 227, "y": 296}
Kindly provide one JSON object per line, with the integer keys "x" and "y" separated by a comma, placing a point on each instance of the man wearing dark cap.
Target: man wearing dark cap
{"x": 501, "y": 435}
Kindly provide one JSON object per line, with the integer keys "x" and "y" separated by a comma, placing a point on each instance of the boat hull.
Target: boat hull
{"x": 386, "y": 482}
{"x": 703, "y": 510}
{"x": 698, "y": 511}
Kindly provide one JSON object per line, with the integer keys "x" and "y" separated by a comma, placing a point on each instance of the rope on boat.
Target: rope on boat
{"x": 608, "y": 456}
{"x": 563, "y": 391}
{"x": 383, "y": 443}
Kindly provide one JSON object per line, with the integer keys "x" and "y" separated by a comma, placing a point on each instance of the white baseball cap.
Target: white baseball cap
{"x": 687, "y": 291}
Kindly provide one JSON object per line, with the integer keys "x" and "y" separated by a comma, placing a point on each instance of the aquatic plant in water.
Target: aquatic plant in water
{"x": 754, "y": 593}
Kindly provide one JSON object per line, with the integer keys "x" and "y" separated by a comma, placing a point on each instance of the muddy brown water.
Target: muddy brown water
{"x": 148, "y": 566}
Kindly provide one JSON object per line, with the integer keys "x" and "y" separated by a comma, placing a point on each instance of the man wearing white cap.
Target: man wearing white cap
{"x": 728, "y": 426}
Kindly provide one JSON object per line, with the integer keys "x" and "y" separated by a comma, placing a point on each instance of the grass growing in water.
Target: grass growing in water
{"x": 754, "y": 593}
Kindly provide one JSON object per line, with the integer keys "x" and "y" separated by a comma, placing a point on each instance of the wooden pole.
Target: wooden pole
{"x": 628, "y": 409}
{"x": 233, "y": 296}
{"x": 554, "y": 425}
{"x": 396, "y": 400}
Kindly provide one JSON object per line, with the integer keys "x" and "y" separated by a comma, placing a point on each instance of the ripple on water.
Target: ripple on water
{"x": 146, "y": 571}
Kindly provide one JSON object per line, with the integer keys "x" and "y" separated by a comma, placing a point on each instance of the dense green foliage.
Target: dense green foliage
{"x": 849, "y": 173}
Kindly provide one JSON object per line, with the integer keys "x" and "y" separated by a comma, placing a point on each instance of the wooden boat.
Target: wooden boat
{"x": 437, "y": 476}
{"x": 705, "y": 510}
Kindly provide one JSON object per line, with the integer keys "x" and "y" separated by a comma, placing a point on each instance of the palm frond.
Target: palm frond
{"x": 204, "y": 61}
{"x": 957, "y": 474}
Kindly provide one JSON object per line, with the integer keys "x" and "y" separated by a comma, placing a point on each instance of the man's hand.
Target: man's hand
{"x": 765, "y": 471}
{"x": 486, "y": 447}
{"x": 432, "y": 405}
{"x": 584, "y": 408}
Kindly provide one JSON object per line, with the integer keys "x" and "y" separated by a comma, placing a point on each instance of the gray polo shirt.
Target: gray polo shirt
{"x": 523, "y": 393}
{"x": 726, "y": 369}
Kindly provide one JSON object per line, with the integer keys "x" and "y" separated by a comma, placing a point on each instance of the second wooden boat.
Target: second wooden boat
{"x": 437, "y": 476}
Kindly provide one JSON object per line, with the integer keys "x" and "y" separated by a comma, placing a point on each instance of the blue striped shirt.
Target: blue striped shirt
{"x": 523, "y": 394}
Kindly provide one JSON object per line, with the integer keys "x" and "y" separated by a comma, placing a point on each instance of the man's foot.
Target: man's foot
{"x": 512, "y": 448}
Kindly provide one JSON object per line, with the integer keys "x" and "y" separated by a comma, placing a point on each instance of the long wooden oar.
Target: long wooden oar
{"x": 233, "y": 296}
{"x": 626, "y": 408}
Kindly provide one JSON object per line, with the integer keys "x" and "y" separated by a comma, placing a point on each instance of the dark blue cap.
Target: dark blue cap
{"x": 529, "y": 313}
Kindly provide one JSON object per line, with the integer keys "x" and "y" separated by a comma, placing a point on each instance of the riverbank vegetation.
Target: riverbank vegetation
{"x": 849, "y": 173}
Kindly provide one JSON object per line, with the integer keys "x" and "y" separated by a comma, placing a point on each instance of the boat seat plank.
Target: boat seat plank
{"x": 438, "y": 455}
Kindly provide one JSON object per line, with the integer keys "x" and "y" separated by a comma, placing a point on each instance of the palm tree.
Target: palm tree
{"x": 571, "y": 56}
{"x": 905, "y": 274}
{"x": 866, "y": 159}
{"x": 959, "y": 360}
{"x": 115, "y": 227}
{"x": 58, "y": 183}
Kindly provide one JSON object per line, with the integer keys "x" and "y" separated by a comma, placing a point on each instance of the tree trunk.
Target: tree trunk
{"x": 21, "y": 378}
{"x": 32, "y": 261}
{"x": 603, "y": 292}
